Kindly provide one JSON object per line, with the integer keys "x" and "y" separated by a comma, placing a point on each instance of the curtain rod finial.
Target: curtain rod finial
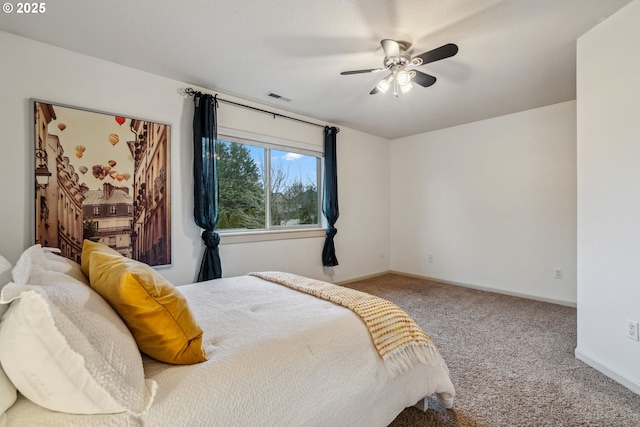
{"x": 186, "y": 91}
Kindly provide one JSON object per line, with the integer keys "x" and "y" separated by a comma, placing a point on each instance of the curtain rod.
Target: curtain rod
{"x": 190, "y": 92}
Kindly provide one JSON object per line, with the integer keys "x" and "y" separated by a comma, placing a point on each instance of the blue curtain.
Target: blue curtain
{"x": 205, "y": 182}
{"x": 330, "y": 196}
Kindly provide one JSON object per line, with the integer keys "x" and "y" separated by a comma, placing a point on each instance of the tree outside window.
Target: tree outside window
{"x": 246, "y": 171}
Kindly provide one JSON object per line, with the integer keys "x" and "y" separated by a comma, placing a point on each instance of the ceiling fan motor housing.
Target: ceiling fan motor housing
{"x": 402, "y": 59}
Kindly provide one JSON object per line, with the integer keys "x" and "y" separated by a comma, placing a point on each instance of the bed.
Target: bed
{"x": 274, "y": 356}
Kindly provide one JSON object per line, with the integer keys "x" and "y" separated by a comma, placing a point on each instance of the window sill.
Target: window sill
{"x": 230, "y": 238}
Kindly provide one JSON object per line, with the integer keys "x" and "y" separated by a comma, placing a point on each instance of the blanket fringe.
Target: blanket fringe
{"x": 403, "y": 359}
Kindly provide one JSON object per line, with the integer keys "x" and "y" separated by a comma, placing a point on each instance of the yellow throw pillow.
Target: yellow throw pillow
{"x": 88, "y": 247}
{"x": 155, "y": 312}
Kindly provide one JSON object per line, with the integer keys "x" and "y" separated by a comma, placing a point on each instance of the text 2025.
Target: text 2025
{"x": 31, "y": 7}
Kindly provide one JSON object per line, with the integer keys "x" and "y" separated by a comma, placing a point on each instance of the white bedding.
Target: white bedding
{"x": 277, "y": 357}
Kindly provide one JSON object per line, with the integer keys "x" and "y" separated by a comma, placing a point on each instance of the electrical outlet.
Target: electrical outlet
{"x": 557, "y": 273}
{"x": 632, "y": 330}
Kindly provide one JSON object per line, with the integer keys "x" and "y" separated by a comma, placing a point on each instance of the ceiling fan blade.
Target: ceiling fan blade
{"x": 437, "y": 54}
{"x": 370, "y": 70}
{"x": 423, "y": 79}
{"x": 374, "y": 91}
{"x": 391, "y": 48}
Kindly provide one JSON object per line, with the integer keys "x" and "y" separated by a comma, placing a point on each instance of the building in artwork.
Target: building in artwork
{"x": 59, "y": 193}
{"x": 151, "y": 237}
{"x": 108, "y": 217}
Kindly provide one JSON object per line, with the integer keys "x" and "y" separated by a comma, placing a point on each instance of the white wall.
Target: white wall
{"x": 608, "y": 110}
{"x": 494, "y": 203}
{"x": 35, "y": 70}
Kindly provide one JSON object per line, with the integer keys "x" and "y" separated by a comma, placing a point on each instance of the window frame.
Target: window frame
{"x": 275, "y": 232}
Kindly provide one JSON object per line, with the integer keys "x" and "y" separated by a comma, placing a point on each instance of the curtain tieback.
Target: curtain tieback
{"x": 332, "y": 231}
{"x": 211, "y": 239}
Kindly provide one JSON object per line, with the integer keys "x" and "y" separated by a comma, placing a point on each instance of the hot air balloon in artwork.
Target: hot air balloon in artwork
{"x": 120, "y": 120}
{"x": 114, "y": 139}
{"x": 83, "y": 169}
{"x": 99, "y": 172}
{"x": 112, "y": 163}
{"x": 80, "y": 149}
{"x": 62, "y": 126}
{"x": 126, "y": 176}
{"x": 120, "y": 177}
{"x": 113, "y": 174}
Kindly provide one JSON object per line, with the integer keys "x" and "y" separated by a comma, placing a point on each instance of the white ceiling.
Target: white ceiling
{"x": 514, "y": 54}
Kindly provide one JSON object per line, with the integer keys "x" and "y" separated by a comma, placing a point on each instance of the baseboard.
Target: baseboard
{"x": 608, "y": 370}
{"x": 357, "y": 279}
{"x": 487, "y": 289}
{"x": 464, "y": 285}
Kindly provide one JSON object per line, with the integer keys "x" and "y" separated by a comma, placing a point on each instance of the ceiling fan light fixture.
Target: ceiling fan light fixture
{"x": 404, "y": 78}
{"x": 406, "y": 87}
{"x": 384, "y": 84}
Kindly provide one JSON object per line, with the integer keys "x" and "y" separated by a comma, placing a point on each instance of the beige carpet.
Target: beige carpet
{"x": 511, "y": 360}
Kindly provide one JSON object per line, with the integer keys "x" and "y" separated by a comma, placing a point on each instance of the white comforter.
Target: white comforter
{"x": 277, "y": 357}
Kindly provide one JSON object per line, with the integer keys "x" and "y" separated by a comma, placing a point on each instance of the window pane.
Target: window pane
{"x": 294, "y": 189}
{"x": 241, "y": 186}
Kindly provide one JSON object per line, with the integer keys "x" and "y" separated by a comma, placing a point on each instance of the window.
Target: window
{"x": 263, "y": 187}
{"x": 113, "y": 210}
{"x": 96, "y": 211}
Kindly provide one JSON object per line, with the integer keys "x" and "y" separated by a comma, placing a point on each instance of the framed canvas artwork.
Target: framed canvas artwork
{"x": 102, "y": 177}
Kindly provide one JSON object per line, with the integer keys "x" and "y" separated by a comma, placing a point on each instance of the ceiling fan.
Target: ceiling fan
{"x": 397, "y": 60}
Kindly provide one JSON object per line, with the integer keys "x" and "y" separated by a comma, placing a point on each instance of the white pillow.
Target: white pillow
{"x": 65, "y": 349}
{"x": 8, "y": 393}
{"x": 65, "y": 265}
{"x": 31, "y": 267}
{"x": 36, "y": 261}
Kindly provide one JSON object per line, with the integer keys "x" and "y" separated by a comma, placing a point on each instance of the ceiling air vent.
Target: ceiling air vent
{"x": 280, "y": 97}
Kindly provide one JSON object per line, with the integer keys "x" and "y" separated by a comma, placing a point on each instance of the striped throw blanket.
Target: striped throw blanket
{"x": 398, "y": 339}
